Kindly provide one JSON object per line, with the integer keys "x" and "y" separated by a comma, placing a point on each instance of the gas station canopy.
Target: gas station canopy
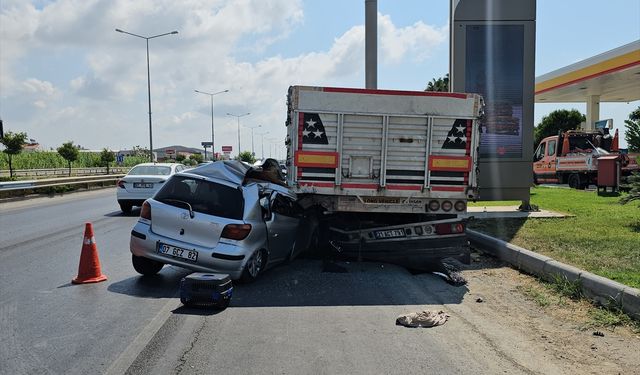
{"x": 612, "y": 76}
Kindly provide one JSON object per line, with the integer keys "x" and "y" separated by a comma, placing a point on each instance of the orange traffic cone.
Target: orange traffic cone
{"x": 565, "y": 145}
{"x": 89, "y": 268}
{"x": 615, "y": 143}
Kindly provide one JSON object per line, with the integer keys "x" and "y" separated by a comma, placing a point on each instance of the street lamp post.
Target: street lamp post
{"x": 262, "y": 142}
{"x": 238, "y": 117}
{"x": 211, "y": 96}
{"x": 148, "y": 81}
{"x": 253, "y": 152}
{"x": 273, "y": 142}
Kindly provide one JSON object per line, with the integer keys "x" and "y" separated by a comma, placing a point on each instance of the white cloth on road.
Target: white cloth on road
{"x": 424, "y": 319}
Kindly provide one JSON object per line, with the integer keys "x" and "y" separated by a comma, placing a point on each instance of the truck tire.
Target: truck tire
{"x": 574, "y": 181}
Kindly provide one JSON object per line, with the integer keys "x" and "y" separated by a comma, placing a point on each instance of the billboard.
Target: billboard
{"x": 492, "y": 53}
{"x": 494, "y": 68}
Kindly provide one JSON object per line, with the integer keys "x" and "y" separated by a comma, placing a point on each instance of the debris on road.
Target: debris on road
{"x": 598, "y": 333}
{"x": 422, "y": 319}
{"x": 206, "y": 290}
{"x": 450, "y": 273}
{"x": 479, "y": 300}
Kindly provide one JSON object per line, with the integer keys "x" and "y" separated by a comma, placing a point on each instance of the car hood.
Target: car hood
{"x": 228, "y": 170}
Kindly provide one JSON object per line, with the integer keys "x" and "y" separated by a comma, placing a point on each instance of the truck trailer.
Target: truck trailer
{"x": 387, "y": 174}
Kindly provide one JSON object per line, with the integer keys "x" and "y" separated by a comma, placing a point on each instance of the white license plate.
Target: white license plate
{"x": 142, "y": 185}
{"x": 392, "y": 233}
{"x": 177, "y": 252}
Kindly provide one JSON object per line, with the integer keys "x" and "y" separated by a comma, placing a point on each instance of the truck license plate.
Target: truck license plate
{"x": 392, "y": 233}
{"x": 177, "y": 252}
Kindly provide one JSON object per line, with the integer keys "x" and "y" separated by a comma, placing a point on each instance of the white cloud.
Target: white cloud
{"x": 37, "y": 87}
{"x": 184, "y": 117}
{"x": 102, "y": 102}
{"x": 415, "y": 40}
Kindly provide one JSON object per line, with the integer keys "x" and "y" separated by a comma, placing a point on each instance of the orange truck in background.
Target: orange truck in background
{"x": 572, "y": 158}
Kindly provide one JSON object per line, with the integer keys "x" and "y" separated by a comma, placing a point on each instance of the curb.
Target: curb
{"x": 597, "y": 288}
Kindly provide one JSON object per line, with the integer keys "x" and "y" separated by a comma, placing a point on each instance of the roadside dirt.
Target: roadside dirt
{"x": 544, "y": 321}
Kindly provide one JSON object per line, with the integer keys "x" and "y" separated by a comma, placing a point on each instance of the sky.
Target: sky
{"x": 67, "y": 75}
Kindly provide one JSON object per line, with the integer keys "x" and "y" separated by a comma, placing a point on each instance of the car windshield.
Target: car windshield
{"x": 150, "y": 170}
{"x": 203, "y": 196}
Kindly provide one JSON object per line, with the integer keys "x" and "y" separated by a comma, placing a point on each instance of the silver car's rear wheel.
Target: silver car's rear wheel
{"x": 254, "y": 266}
{"x": 145, "y": 266}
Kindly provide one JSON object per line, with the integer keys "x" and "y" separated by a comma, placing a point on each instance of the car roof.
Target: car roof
{"x": 158, "y": 164}
{"x": 227, "y": 170}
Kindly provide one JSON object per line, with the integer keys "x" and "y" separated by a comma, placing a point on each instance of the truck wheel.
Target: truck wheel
{"x": 574, "y": 181}
{"x": 535, "y": 179}
{"x": 146, "y": 266}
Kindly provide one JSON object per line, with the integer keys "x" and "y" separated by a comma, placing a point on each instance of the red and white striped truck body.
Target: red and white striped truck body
{"x": 384, "y": 152}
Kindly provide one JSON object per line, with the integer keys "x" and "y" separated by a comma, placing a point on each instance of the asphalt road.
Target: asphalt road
{"x": 48, "y": 325}
{"x": 308, "y": 317}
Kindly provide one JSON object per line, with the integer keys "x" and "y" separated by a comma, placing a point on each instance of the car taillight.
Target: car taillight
{"x": 236, "y": 231}
{"x": 121, "y": 184}
{"x": 449, "y": 228}
{"x": 145, "y": 211}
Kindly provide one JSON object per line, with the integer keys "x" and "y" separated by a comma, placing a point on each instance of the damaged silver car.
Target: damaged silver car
{"x": 223, "y": 217}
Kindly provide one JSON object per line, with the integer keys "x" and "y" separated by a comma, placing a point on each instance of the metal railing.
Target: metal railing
{"x": 25, "y": 186}
{"x": 61, "y": 172}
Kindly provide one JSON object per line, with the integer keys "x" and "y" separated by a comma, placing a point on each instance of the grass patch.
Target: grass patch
{"x": 562, "y": 293}
{"x": 602, "y": 236}
{"x": 610, "y": 316}
{"x": 540, "y": 297}
{"x": 566, "y": 288}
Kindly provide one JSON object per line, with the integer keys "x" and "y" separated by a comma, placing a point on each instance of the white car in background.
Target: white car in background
{"x": 142, "y": 182}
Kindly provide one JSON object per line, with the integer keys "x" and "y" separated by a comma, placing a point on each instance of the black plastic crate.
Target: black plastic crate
{"x": 206, "y": 290}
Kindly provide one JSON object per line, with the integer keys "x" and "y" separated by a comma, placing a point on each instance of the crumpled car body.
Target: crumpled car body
{"x": 220, "y": 217}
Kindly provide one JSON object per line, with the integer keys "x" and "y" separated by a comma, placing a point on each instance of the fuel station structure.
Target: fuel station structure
{"x": 612, "y": 76}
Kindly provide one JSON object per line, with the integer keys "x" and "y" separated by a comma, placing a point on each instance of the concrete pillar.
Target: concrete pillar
{"x": 371, "y": 43}
{"x": 593, "y": 111}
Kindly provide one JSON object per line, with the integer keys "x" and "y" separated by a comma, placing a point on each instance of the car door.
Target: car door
{"x": 550, "y": 159}
{"x": 539, "y": 167}
{"x": 282, "y": 225}
{"x": 545, "y": 157}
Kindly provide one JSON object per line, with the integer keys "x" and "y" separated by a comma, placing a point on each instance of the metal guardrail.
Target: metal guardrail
{"x": 53, "y": 172}
{"x": 37, "y": 184}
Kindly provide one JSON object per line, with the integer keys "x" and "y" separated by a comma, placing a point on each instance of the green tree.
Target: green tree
{"x": 632, "y": 135}
{"x": 246, "y": 156}
{"x": 196, "y": 157}
{"x": 139, "y": 151}
{"x": 441, "y": 84}
{"x": 69, "y": 152}
{"x": 13, "y": 143}
{"x": 107, "y": 157}
{"x": 180, "y": 158}
{"x": 633, "y": 183}
{"x": 556, "y": 121}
